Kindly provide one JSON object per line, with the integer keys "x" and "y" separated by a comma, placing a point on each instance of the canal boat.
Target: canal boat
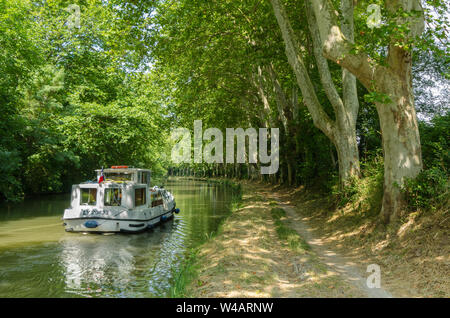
{"x": 120, "y": 200}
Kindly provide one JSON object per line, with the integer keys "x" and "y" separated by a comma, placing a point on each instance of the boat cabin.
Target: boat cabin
{"x": 122, "y": 187}
{"x": 123, "y": 174}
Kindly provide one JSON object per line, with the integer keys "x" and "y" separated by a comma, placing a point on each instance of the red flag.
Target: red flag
{"x": 102, "y": 178}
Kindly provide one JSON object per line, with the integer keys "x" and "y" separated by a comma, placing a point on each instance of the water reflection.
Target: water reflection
{"x": 119, "y": 265}
{"x": 136, "y": 265}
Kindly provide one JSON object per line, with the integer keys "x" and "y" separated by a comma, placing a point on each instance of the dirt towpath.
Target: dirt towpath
{"x": 348, "y": 270}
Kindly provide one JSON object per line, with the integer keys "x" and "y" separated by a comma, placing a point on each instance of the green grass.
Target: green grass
{"x": 285, "y": 233}
{"x": 183, "y": 276}
{"x": 277, "y": 213}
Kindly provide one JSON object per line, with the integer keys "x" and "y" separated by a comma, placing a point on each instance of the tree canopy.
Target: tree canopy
{"x": 94, "y": 83}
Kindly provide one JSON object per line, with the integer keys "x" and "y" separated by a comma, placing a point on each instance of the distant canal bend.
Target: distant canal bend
{"x": 39, "y": 259}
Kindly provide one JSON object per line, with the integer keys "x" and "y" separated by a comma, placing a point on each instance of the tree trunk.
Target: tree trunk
{"x": 290, "y": 173}
{"x": 401, "y": 143}
{"x": 346, "y": 144}
{"x": 347, "y": 150}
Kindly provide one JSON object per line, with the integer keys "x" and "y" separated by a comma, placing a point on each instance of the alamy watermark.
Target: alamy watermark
{"x": 374, "y": 279}
{"x": 374, "y": 18}
{"x": 74, "y": 18}
{"x": 213, "y": 151}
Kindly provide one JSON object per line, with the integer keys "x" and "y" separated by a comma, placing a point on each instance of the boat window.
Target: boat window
{"x": 88, "y": 196}
{"x": 113, "y": 197}
{"x": 145, "y": 177}
{"x": 157, "y": 199}
{"x": 139, "y": 196}
{"x": 117, "y": 176}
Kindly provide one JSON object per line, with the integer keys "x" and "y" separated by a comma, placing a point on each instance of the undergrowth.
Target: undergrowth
{"x": 366, "y": 193}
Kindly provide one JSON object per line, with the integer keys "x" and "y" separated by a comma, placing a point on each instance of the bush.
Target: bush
{"x": 435, "y": 138}
{"x": 369, "y": 188}
{"x": 10, "y": 187}
{"x": 428, "y": 188}
{"x": 431, "y": 185}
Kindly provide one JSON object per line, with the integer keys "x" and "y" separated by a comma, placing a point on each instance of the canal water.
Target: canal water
{"x": 39, "y": 259}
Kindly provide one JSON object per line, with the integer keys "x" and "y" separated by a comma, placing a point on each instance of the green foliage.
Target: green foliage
{"x": 182, "y": 276}
{"x": 70, "y": 100}
{"x": 395, "y": 29}
{"x": 427, "y": 189}
{"x": 109, "y": 90}
{"x": 431, "y": 82}
{"x": 375, "y": 97}
{"x": 347, "y": 192}
{"x": 10, "y": 187}
{"x": 435, "y": 138}
{"x": 431, "y": 186}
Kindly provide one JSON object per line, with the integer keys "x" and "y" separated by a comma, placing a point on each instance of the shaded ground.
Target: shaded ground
{"x": 247, "y": 259}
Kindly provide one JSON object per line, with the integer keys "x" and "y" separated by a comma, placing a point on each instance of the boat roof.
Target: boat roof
{"x": 123, "y": 170}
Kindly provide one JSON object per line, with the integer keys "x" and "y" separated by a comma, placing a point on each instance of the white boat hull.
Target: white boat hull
{"x": 110, "y": 225}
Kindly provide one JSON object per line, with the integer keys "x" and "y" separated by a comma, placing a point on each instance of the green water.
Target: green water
{"x": 39, "y": 259}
